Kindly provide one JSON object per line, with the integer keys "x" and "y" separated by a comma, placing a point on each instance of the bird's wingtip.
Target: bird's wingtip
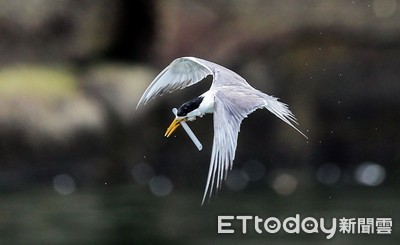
{"x": 305, "y": 136}
{"x": 204, "y": 200}
{"x": 141, "y": 102}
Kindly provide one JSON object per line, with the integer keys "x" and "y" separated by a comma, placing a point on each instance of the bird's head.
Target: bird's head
{"x": 186, "y": 112}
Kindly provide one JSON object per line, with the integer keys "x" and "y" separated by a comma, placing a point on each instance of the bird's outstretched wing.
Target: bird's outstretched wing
{"x": 181, "y": 73}
{"x": 230, "y": 110}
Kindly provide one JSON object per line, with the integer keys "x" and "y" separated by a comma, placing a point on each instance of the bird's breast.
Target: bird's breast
{"x": 207, "y": 105}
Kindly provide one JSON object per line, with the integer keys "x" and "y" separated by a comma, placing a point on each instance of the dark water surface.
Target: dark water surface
{"x": 131, "y": 214}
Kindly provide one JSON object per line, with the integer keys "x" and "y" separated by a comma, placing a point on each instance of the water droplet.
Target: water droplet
{"x": 64, "y": 184}
{"x": 161, "y": 186}
{"x": 370, "y": 173}
{"x": 284, "y": 184}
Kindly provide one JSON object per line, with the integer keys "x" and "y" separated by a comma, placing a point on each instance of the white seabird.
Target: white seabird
{"x": 230, "y": 98}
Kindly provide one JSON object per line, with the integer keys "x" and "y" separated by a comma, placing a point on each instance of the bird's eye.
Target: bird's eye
{"x": 182, "y": 114}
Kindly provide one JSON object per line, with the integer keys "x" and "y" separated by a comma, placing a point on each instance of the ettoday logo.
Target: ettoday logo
{"x": 296, "y": 225}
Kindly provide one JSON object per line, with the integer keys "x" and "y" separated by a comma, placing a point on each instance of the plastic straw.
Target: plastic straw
{"x": 189, "y": 132}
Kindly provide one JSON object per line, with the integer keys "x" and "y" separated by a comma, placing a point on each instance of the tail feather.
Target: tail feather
{"x": 281, "y": 110}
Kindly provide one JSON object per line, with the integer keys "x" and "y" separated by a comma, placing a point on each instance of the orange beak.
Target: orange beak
{"x": 174, "y": 125}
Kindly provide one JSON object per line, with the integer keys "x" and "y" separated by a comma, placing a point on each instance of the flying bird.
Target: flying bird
{"x": 230, "y": 99}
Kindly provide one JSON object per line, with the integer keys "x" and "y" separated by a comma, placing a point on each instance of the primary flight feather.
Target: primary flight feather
{"x": 230, "y": 99}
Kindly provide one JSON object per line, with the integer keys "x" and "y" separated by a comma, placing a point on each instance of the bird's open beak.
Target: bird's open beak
{"x": 174, "y": 125}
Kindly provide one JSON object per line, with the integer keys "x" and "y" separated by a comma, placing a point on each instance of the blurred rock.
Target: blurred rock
{"x": 48, "y": 30}
{"x": 45, "y": 30}
{"x": 225, "y": 30}
{"x": 41, "y": 108}
{"x": 118, "y": 88}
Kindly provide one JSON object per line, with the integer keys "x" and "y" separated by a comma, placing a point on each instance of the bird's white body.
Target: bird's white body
{"x": 230, "y": 99}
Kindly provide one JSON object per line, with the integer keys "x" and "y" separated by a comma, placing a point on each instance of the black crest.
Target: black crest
{"x": 189, "y": 106}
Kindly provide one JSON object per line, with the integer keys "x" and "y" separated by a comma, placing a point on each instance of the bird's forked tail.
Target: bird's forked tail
{"x": 281, "y": 110}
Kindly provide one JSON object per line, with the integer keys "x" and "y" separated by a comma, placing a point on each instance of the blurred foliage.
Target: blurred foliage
{"x": 37, "y": 81}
